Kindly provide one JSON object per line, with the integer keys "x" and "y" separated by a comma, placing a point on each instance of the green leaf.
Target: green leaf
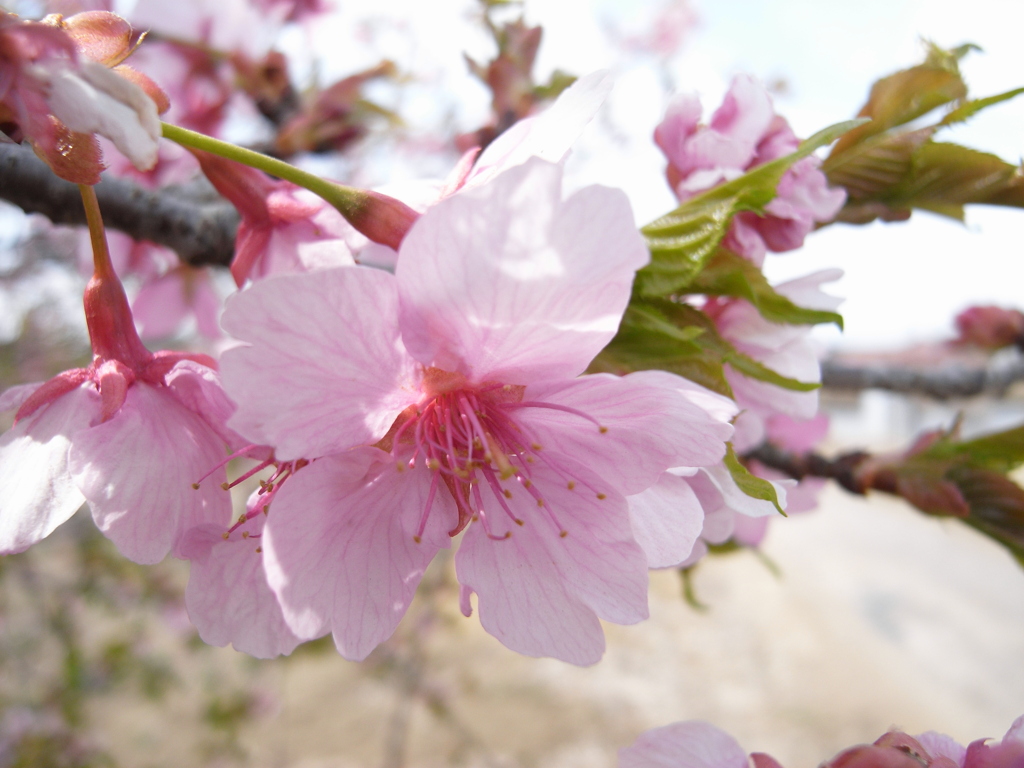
{"x": 908, "y": 94}
{"x": 945, "y": 177}
{"x": 873, "y": 167}
{"x": 647, "y": 340}
{"x": 997, "y": 506}
{"x": 970, "y": 108}
{"x": 752, "y": 485}
{"x": 675, "y": 337}
{"x": 998, "y": 452}
{"x": 681, "y": 242}
{"x": 727, "y": 274}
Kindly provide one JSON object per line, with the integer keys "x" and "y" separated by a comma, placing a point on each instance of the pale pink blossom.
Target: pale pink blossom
{"x": 690, "y": 744}
{"x": 283, "y": 228}
{"x": 130, "y": 434}
{"x": 447, "y": 398}
{"x": 745, "y": 132}
{"x": 786, "y": 349}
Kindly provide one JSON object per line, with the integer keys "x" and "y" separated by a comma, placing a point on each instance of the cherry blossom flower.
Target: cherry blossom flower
{"x": 743, "y": 133}
{"x": 283, "y": 229}
{"x": 129, "y": 434}
{"x": 444, "y": 399}
{"x": 786, "y": 349}
{"x": 62, "y": 81}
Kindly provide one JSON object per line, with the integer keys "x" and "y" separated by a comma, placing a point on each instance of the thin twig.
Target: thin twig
{"x": 198, "y": 226}
{"x": 940, "y": 383}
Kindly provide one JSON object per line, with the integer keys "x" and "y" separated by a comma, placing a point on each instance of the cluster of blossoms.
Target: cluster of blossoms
{"x": 696, "y": 744}
{"x": 396, "y": 409}
{"x": 743, "y": 133}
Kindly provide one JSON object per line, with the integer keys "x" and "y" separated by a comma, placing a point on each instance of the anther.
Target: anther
{"x": 224, "y": 486}
{"x": 519, "y": 522}
{"x": 562, "y": 534}
{"x": 225, "y": 535}
{"x": 259, "y": 550}
{"x": 242, "y": 518}
{"x": 245, "y": 534}
{"x": 540, "y": 502}
{"x": 195, "y": 486}
{"x": 572, "y": 485}
{"x": 506, "y": 493}
{"x": 601, "y": 496}
{"x": 602, "y": 430}
{"x": 536, "y": 446}
{"x": 417, "y": 539}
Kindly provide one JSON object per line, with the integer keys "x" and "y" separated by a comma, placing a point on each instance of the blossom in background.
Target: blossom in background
{"x": 283, "y": 228}
{"x": 786, "y": 349}
{"x": 130, "y": 434}
{"x": 743, "y": 133}
{"x": 445, "y": 398}
{"x": 696, "y": 744}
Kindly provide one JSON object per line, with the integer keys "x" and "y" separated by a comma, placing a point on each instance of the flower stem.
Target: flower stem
{"x": 381, "y": 218}
{"x": 348, "y": 200}
{"x": 100, "y": 253}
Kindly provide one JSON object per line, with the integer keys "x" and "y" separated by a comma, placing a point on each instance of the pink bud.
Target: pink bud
{"x": 990, "y": 327}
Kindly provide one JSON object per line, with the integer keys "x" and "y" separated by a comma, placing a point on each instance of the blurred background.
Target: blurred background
{"x": 860, "y": 616}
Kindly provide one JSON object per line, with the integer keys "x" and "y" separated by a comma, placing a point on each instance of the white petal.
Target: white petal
{"x": 38, "y": 492}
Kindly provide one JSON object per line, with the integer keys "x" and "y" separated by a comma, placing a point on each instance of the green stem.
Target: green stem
{"x": 347, "y": 200}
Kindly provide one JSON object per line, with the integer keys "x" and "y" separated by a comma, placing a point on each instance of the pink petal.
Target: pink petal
{"x": 137, "y": 470}
{"x": 339, "y": 549}
{"x": 199, "y": 389}
{"x": 228, "y": 598}
{"x": 13, "y": 397}
{"x": 749, "y": 531}
{"x": 691, "y": 744}
{"x": 325, "y": 369}
{"x": 1015, "y": 731}
{"x": 548, "y": 135}
{"x": 941, "y": 745}
{"x": 160, "y": 308}
{"x": 506, "y": 282}
{"x": 650, "y": 419}
{"x": 540, "y": 592}
{"x": 667, "y": 520}
{"x": 39, "y": 493}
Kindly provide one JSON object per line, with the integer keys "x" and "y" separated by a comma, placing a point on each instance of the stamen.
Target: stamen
{"x": 558, "y": 407}
{"x": 499, "y": 495}
{"x": 237, "y": 454}
{"x": 426, "y": 509}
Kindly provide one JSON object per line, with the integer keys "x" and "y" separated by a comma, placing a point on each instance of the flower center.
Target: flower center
{"x": 468, "y": 437}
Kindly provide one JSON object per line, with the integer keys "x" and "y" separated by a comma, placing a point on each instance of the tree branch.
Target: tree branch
{"x": 941, "y": 383}
{"x": 199, "y": 226}
{"x": 842, "y": 469}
